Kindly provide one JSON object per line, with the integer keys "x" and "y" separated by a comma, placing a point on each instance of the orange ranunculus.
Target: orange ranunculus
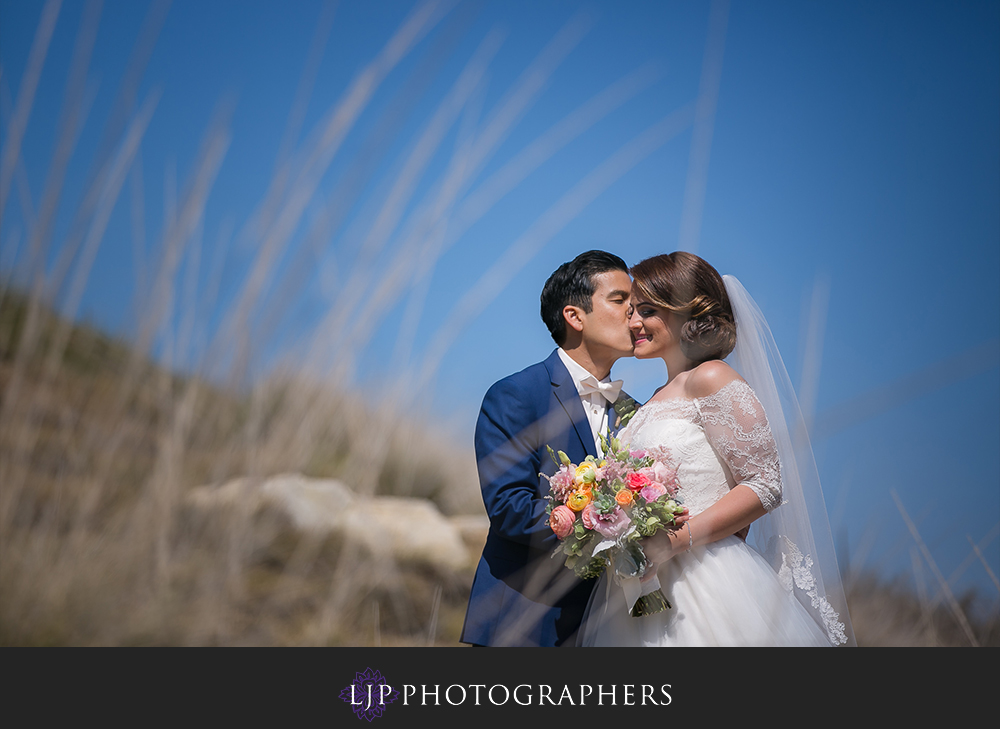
{"x": 578, "y": 499}
{"x": 624, "y": 498}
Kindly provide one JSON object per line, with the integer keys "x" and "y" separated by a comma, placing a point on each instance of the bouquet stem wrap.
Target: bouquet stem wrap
{"x": 643, "y": 595}
{"x": 601, "y": 509}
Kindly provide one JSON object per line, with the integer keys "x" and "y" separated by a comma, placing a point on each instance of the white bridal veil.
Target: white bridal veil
{"x": 795, "y": 537}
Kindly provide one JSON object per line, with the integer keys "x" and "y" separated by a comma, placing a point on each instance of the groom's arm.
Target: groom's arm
{"x": 508, "y": 447}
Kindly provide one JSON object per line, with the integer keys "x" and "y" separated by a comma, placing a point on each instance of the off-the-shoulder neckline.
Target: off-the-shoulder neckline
{"x": 692, "y": 400}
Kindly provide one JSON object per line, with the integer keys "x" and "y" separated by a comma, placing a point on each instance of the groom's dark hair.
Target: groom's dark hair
{"x": 572, "y": 284}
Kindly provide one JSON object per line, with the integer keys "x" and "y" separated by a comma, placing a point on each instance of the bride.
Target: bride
{"x": 744, "y": 461}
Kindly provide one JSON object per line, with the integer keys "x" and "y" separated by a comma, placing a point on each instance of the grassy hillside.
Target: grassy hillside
{"x": 98, "y": 447}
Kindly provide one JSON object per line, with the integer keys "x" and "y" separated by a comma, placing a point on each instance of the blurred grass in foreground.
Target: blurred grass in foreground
{"x": 100, "y": 445}
{"x": 98, "y": 546}
{"x": 99, "y": 549}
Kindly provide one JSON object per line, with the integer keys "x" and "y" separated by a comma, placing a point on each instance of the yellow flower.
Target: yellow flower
{"x": 578, "y": 500}
{"x": 585, "y": 474}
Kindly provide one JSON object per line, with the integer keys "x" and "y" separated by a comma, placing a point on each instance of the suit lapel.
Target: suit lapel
{"x": 612, "y": 420}
{"x": 568, "y": 396}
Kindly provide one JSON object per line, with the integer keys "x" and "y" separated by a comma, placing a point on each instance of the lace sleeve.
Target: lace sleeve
{"x": 736, "y": 426}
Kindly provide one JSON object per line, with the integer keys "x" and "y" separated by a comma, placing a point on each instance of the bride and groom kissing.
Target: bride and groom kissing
{"x": 743, "y": 459}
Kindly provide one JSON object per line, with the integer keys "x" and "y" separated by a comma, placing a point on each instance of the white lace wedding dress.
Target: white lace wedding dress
{"x": 724, "y": 593}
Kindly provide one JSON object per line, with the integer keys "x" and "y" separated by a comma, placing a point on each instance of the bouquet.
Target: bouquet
{"x": 600, "y": 508}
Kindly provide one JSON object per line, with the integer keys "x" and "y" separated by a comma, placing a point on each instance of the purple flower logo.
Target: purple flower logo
{"x": 369, "y": 694}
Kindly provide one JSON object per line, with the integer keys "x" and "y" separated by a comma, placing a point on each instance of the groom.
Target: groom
{"x": 521, "y": 596}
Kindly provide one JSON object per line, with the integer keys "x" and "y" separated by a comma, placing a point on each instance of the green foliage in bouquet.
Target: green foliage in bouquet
{"x": 601, "y": 508}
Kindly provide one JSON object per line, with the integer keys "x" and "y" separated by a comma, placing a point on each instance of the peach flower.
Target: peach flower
{"x": 561, "y": 520}
{"x": 624, "y": 498}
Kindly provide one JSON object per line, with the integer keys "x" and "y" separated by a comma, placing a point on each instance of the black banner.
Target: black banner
{"x": 395, "y": 687}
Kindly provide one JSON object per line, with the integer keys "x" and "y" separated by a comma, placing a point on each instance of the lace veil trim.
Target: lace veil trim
{"x": 794, "y": 536}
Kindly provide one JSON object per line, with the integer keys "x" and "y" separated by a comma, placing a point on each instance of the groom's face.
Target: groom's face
{"x": 606, "y": 326}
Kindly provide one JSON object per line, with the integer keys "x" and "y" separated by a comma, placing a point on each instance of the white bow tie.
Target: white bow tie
{"x": 610, "y": 390}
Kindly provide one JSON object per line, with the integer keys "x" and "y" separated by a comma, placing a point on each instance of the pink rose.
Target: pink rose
{"x": 637, "y": 454}
{"x": 613, "y": 525}
{"x": 653, "y": 491}
{"x": 589, "y": 515}
{"x": 561, "y": 520}
{"x": 636, "y": 481}
{"x": 664, "y": 474}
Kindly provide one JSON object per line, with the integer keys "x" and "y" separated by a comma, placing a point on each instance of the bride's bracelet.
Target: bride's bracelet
{"x": 690, "y": 538}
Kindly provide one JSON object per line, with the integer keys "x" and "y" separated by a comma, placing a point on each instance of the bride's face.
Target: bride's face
{"x": 654, "y": 330}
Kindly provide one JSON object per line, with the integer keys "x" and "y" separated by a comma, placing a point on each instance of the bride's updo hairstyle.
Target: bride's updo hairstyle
{"x": 690, "y": 287}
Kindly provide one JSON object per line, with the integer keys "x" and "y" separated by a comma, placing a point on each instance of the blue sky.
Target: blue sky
{"x": 849, "y": 167}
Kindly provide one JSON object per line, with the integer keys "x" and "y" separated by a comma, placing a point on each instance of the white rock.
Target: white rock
{"x": 473, "y": 529}
{"x": 407, "y": 528}
{"x": 311, "y": 503}
{"x": 399, "y": 528}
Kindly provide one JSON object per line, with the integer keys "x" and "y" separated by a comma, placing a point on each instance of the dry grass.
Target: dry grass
{"x": 100, "y": 445}
{"x": 888, "y": 613}
{"x": 99, "y": 549}
{"x": 100, "y": 440}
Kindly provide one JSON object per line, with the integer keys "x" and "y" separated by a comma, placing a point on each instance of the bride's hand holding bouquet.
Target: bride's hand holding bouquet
{"x": 602, "y": 509}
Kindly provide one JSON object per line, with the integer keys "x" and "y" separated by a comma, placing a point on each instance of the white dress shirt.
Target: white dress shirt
{"x": 594, "y": 403}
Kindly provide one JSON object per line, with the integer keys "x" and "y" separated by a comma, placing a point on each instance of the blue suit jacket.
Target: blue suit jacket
{"x": 521, "y": 595}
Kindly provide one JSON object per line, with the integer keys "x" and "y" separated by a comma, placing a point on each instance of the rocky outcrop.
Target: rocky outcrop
{"x": 401, "y": 528}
